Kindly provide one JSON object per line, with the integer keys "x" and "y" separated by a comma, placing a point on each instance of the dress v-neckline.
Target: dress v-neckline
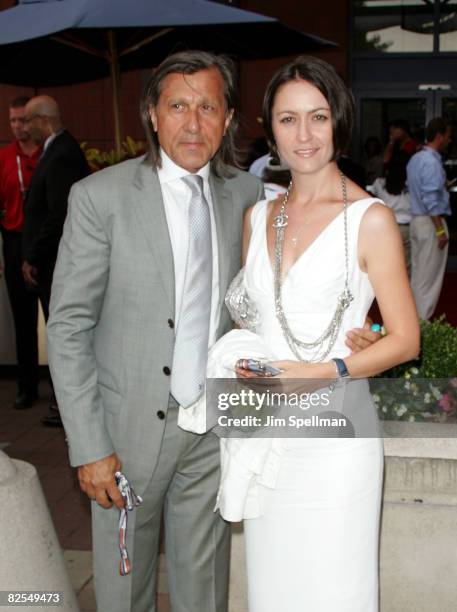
{"x": 309, "y": 247}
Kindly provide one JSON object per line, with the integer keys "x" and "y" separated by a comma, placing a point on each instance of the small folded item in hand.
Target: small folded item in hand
{"x": 131, "y": 501}
{"x": 258, "y": 367}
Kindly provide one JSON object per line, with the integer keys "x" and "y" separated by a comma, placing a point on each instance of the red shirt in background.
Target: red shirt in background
{"x": 11, "y": 200}
{"x": 409, "y": 147}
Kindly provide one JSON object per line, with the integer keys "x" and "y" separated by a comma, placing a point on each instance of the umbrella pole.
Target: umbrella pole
{"x": 116, "y": 87}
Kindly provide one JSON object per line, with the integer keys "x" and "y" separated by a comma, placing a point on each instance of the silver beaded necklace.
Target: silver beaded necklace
{"x": 327, "y": 339}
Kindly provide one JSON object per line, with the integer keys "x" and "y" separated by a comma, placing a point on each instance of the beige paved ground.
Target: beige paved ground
{"x": 23, "y": 437}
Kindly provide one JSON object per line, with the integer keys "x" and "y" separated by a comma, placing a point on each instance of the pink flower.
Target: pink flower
{"x": 445, "y": 403}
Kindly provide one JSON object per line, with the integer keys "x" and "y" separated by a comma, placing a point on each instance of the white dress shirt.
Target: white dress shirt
{"x": 49, "y": 139}
{"x": 258, "y": 166}
{"x": 400, "y": 204}
{"x": 176, "y": 198}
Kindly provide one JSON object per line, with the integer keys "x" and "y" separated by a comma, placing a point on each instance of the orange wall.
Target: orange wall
{"x": 86, "y": 109}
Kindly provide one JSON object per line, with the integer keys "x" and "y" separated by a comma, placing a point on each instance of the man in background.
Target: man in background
{"x": 61, "y": 164}
{"x": 17, "y": 164}
{"x": 429, "y": 206}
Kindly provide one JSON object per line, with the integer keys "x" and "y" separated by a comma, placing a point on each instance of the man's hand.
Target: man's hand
{"x": 97, "y": 481}
{"x": 440, "y": 232}
{"x": 442, "y": 241}
{"x": 29, "y": 273}
{"x": 360, "y": 338}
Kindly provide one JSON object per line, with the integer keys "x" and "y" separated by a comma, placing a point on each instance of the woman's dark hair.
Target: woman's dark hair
{"x": 323, "y": 76}
{"x": 190, "y": 62}
{"x": 396, "y": 174}
{"x": 279, "y": 177}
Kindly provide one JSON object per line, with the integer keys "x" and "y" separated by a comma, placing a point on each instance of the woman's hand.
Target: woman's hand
{"x": 290, "y": 369}
{"x": 243, "y": 373}
{"x": 298, "y": 377}
{"x": 299, "y": 369}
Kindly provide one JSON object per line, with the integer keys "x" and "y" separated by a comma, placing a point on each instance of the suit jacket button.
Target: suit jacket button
{"x": 166, "y": 370}
{"x": 171, "y": 323}
{"x": 161, "y": 414}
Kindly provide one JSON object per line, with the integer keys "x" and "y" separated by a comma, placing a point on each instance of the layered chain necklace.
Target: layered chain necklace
{"x": 324, "y": 344}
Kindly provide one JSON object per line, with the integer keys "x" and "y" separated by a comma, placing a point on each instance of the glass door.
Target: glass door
{"x": 377, "y": 112}
{"x": 376, "y": 109}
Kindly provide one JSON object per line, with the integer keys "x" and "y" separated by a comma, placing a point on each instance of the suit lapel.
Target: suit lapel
{"x": 148, "y": 204}
{"x": 223, "y": 213}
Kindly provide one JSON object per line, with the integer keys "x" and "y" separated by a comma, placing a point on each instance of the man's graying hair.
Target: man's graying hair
{"x": 190, "y": 62}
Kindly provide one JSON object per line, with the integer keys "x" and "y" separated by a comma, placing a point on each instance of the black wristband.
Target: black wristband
{"x": 341, "y": 368}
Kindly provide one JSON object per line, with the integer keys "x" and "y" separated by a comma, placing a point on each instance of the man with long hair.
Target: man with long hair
{"x": 148, "y": 250}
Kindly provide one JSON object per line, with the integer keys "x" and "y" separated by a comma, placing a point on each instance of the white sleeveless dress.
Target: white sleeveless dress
{"x": 314, "y": 545}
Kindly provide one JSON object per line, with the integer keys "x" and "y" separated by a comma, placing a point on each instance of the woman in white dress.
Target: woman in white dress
{"x": 324, "y": 250}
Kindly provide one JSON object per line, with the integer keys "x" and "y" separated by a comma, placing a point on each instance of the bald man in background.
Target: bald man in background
{"x": 61, "y": 164}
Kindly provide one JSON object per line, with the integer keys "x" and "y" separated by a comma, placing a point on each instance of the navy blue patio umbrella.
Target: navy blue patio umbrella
{"x": 59, "y": 42}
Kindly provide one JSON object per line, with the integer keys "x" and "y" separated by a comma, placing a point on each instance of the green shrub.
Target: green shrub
{"x": 438, "y": 355}
{"x": 424, "y": 388}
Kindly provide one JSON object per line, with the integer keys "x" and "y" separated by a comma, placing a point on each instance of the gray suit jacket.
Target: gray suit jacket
{"x": 110, "y": 339}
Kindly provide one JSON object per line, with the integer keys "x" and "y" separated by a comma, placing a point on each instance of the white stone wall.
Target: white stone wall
{"x": 418, "y": 550}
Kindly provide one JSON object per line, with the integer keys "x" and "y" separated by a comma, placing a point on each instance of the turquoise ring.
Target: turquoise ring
{"x": 376, "y": 328}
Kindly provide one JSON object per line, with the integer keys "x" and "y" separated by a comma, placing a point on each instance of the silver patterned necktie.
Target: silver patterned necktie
{"x": 191, "y": 343}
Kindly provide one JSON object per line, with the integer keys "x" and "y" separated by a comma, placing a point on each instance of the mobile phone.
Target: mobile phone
{"x": 259, "y": 367}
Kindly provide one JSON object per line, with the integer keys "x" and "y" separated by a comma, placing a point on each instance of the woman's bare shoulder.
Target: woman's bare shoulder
{"x": 378, "y": 217}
